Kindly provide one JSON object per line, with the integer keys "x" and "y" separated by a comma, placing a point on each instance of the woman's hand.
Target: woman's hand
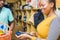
{"x": 33, "y": 34}
{"x": 24, "y": 36}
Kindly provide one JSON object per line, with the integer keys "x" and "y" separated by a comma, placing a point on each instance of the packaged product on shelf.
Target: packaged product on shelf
{"x": 3, "y": 29}
{"x": 34, "y": 3}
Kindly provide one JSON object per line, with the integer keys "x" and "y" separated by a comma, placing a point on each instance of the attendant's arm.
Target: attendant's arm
{"x": 11, "y": 19}
{"x": 11, "y": 25}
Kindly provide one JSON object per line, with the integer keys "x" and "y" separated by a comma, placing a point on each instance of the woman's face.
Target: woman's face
{"x": 45, "y": 6}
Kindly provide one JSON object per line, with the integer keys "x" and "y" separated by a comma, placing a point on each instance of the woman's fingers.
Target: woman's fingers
{"x": 23, "y": 36}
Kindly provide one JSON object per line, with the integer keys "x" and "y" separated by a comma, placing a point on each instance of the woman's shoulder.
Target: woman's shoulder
{"x": 57, "y": 17}
{"x": 56, "y": 21}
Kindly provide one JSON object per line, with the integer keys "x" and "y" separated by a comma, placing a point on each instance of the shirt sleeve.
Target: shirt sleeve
{"x": 10, "y": 16}
{"x": 54, "y": 30}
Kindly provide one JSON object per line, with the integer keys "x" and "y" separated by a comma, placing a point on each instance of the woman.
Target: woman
{"x": 49, "y": 28}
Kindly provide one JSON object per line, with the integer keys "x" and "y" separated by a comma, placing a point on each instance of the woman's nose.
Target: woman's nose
{"x": 41, "y": 7}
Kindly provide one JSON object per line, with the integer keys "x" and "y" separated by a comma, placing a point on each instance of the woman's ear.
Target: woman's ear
{"x": 51, "y": 4}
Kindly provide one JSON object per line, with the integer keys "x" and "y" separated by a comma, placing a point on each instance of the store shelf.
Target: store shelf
{"x": 26, "y": 9}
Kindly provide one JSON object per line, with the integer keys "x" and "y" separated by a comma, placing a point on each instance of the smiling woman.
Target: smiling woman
{"x": 49, "y": 28}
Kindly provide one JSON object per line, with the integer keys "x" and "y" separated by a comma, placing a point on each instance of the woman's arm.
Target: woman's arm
{"x": 54, "y": 30}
